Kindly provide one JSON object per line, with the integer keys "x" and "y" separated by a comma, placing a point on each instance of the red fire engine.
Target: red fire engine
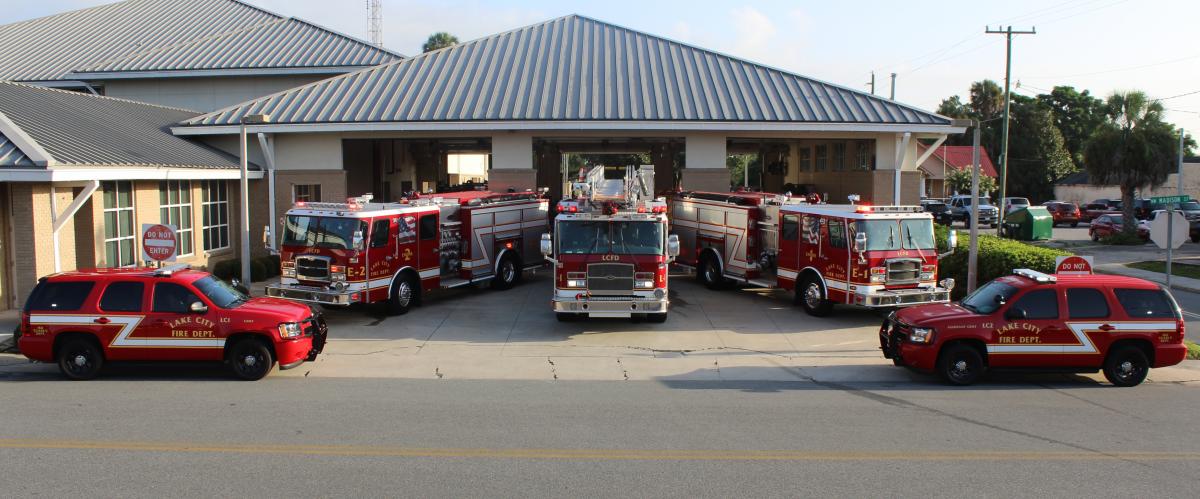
{"x": 364, "y": 252}
{"x": 873, "y": 256}
{"x": 610, "y": 248}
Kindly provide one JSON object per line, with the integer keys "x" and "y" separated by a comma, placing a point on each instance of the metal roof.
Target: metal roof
{"x": 142, "y": 35}
{"x": 573, "y": 69}
{"x": 78, "y": 129}
{"x": 11, "y": 155}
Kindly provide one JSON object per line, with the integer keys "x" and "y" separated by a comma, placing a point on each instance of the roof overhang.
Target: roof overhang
{"x": 108, "y": 172}
{"x": 504, "y": 126}
{"x": 207, "y": 73}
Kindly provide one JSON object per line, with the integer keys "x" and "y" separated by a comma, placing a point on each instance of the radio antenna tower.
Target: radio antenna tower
{"x": 375, "y": 22}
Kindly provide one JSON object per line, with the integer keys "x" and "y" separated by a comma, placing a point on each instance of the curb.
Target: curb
{"x": 1175, "y": 286}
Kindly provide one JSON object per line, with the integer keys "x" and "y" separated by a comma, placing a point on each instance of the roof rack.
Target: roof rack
{"x": 1035, "y": 275}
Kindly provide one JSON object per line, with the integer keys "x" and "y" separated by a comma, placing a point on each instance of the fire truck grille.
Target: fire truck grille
{"x": 903, "y": 271}
{"x": 312, "y": 268}
{"x": 610, "y": 278}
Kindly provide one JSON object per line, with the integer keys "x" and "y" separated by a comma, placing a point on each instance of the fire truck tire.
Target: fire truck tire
{"x": 960, "y": 364}
{"x": 710, "y": 273}
{"x": 404, "y": 294}
{"x": 811, "y": 296}
{"x": 250, "y": 359}
{"x": 565, "y": 316}
{"x": 656, "y": 318}
{"x": 80, "y": 358}
{"x": 1126, "y": 365}
{"x": 508, "y": 272}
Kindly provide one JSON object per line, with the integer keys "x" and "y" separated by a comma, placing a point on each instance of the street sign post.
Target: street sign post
{"x": 1073, "y": 265}
{"x": 1170, "y": 231}
{"x": 158, "y": 243}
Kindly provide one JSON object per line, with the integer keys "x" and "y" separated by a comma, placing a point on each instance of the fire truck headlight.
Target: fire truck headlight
{"x": 921, "y": 335}
{"x": 927, "y": 272}
{"x": 288, "y": 330}
{"x": 878, "y": 274}
{"x": 288, "y": 272}
{"x": 644, "y": 284}
{"x": 576, "y": 283}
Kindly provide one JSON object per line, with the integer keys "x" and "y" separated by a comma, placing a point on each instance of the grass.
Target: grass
{"x": 1193, "y": 349}
{"x": 1182, "y": 270}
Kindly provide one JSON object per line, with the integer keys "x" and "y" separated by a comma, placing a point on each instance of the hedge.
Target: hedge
{"x": 261, "y": 268}
{"x": 997, "y": 257}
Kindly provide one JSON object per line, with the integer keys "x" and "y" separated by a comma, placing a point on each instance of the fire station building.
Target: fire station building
{"x": 345, "y": 118}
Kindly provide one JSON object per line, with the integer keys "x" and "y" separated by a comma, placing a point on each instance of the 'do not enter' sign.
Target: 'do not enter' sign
{"x": 158, "y": 243}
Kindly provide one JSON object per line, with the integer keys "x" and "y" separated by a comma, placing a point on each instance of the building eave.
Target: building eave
{"x": 209, "y": 73}
{"x": 505, "y": 126}
{"x": 81, "y": 172}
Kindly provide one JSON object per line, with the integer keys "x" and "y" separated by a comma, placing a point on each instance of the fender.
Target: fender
{"x": 500, "y": 257}
{"x": 720, "y": 259}
{"x": 397, "y": 274}
{"x": 820, "y": 280}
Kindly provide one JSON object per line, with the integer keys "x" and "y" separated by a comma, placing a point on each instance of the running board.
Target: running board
{"x": 761, "y": 283}
{"x": 455, "y": 282}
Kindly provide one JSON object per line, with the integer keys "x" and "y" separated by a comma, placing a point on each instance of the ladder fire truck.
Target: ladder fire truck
{"x": 610, "y": 248}
{"x": 872, "y": 256}
{"x": 364, "y": 252}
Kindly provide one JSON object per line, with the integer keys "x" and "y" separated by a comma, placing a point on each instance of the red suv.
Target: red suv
{"x": 83, "y": 319}
{"x": 1035, "y": 321}
{"x": 1063, "y": 213}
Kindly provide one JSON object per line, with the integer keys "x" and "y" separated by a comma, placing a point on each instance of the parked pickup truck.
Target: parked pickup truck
{"x": 960, "y": 209}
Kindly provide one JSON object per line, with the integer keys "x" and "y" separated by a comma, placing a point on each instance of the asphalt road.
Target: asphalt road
{"x": 369, "y": 437}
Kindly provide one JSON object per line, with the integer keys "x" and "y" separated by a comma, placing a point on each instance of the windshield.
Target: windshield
{"x": 219, "y": 292}
{"x": 622, "y": 238}
{"x": 883, "y": 235}
{"x": 1190, "y": 206}
{"x": 322, "y": 232}
{"x": 982, "y": 201}
{"x": 1018, "y": 201}
{"x": 988, "y": 298}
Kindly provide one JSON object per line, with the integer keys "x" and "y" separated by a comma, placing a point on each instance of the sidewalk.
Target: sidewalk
{"x": 1177, "y": 282}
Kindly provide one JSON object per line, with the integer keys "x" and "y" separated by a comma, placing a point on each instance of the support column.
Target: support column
{"x": 512, "y": 163}
{"x": 704, "y": 164}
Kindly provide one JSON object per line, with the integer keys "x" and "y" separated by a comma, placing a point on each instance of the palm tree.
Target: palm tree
{"x": 987, "y": 99}
{"x": 1134, "y": 149}
{"x": 439, "y": 40}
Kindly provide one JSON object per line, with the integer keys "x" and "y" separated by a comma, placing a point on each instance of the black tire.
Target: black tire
{"x": 1126, "y": 366}
{"x": 80, "y": 358}
{"x": 250, "y": 359}
{"x": 656, "y": 318}
{"x": 508, "y": 272}
{"x": 565, "y": 316}
{"x": 960, "y": 365}
{"x": 811, "y": 295}
{"x": 1196, "y": 239}
{"x": 1074, "y": 224}
{"x": 710, "y": 273}
{"x": 1095, "y": 237}
{"x": 403, "y": 297}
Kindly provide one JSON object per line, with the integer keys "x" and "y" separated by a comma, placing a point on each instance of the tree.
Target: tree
{"x": 987, "y": 100}
{"x": 953, "y": 107}
{"x": 960, "y": 182}
{"x": 439, "y": 40}
{"x": 1076, "y": 115}
{"x": 1037, "y": 156}
{"x": 1134, "y": 149}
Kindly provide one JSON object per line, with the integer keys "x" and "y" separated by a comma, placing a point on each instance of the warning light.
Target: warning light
{"x": 508, "y": 245}
{"x": 866, "y": 208}
{"x": 301, "y": 204}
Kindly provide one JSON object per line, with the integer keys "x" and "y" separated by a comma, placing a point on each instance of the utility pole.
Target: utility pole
{"x": 893, "y": 97}
{"x": 1008, "y": 33}
{"x": 872, "y": 83}
{"x": 973, "y": 251}
{"x": 375, "y": 22}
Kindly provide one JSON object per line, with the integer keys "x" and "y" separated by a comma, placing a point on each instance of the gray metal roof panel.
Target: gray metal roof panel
{"x": 11, "y": 155}
{"x": 172, "y": 34}
{"x": 572, "y": 68}
{"x": 86, "y": 130}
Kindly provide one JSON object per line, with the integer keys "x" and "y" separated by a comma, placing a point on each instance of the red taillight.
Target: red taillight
{"x": 560, "y": 208}
{"x": 641, "y": 209}
{"x": 1179, "y": 328}
{"x": 573, "y": 209}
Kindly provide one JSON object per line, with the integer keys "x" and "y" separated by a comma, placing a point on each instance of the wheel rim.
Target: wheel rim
{"x": 812, "y": 295}
{"x": 404, "y": 294}
{"x": 710, "y": 271}
{"x": 960, "y": 369}
{"x": 508, "y": 271}
{"x": 1128, "y": 370}
{"x": 80, "y": 362}
{"x": 251, "y": 363}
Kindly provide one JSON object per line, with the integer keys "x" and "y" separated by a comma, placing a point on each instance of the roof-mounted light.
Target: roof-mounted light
{"x": 1035, "y": 275}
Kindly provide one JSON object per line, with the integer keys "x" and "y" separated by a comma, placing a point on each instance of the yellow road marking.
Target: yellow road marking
{"x": 592, "y": 454}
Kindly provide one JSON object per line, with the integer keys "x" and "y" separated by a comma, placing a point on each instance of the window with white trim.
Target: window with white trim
{"x": 214, "y": 210}
{"x": 175, "y": 208}
{"x": 822, "y": 154}
{"x": 306, "y": 193}
{"x": 119, "y": 239}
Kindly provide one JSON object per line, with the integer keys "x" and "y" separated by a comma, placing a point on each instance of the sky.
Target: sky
{"x": 936, "y": 48}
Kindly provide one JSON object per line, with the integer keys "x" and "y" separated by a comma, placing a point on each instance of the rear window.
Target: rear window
{"x": 122, "y": 297}
{"x": 62, "y": 296}
{"x": 1146, "y": 303}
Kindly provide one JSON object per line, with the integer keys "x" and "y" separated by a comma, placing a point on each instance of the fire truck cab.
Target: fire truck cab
{"x": 610, "y": 248}
{"x": 364, "y": 252}
{"x": 871, "y": 256}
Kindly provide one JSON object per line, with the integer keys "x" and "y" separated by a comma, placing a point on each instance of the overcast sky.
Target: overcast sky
{"x": 937, "y": 48}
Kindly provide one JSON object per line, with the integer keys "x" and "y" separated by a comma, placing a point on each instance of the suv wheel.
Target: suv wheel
{"x": 960, "y": 365}
{"x": 250, "y": 359}
{"x": 1126, "y": 366}
{"x": 80, "y": 358}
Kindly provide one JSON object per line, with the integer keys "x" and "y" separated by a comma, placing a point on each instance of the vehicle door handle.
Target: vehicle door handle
{"x": 102, "y": 320}
{"x": 1106, "y": 328}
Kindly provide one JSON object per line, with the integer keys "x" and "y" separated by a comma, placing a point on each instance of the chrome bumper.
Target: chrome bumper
{"x": 902, "y": 297}
{"x": 312, "y": 294}
{"x": 599, "y": 306}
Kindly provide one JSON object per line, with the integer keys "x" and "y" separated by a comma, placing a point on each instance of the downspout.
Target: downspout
{"x": 267, "y": 144}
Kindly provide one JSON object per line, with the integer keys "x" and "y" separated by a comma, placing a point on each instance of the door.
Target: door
{"x": 789, "y": 250}
{"x": 833, "y": 258}
{"x": 171, "y": 331}
{"x": 1037, "y": 339}
{"x": 123, "y": 303}
{"x": 429, "y": 249}
{"x": 381, "y": 251}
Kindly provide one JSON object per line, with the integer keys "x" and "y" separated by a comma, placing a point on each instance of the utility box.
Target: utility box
{"x": 1033, "y": 223}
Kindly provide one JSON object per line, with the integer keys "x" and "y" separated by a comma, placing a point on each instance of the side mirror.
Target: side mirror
{"x": 952, "y": 239}
{"x": 860, "y": 242}
{"x": 547, "y": 246}
{"x": 237, "y": 284}
{"x": 357, "y": 241}
{"x": 198, "y": 308}
{"x": 672, "y": 245}
{"x": 267, "y": 239}
{"x": 1015, "y": 313}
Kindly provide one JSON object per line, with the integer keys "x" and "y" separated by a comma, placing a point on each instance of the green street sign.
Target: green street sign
{"x": 1171, "y": 199}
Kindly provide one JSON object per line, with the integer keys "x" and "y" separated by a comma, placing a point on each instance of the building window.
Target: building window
{"x": 864, "y": 158}
{"x": 306, "y": 193}
{"x": 805, "y": 159}
{"x": 118, "y": 224}
{"x": 822, "y": 157}
{"x": 839, "y": 156}
{"x": 175, "y": 208}
{"x": 214, "y": 208}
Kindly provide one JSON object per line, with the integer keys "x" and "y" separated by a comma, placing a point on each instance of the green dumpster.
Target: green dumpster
{"x": 1033, "y": 223}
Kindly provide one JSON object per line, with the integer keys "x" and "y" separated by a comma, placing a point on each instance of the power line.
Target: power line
{"x": 1116, "y": 70}
{"x": 1193, "y": 92}
{"x": 1102, "y": 7}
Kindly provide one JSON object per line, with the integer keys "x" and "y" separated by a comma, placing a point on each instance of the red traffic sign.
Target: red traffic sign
{"x": 158, "y": 243}
{"x": 1073, "y": 265}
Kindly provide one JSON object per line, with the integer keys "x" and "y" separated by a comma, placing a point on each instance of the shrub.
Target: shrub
{"x": 226, "y": 269}
{"x": 261, "y": 268}
{"x": 1123, "y": 239}
{"x": 997, "y": 257}
{"x": 1193, "y": 349}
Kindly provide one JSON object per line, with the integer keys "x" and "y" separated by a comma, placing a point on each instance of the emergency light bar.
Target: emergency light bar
{"x": 1035, "y": 275}
{"x": 866, "y": 208}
